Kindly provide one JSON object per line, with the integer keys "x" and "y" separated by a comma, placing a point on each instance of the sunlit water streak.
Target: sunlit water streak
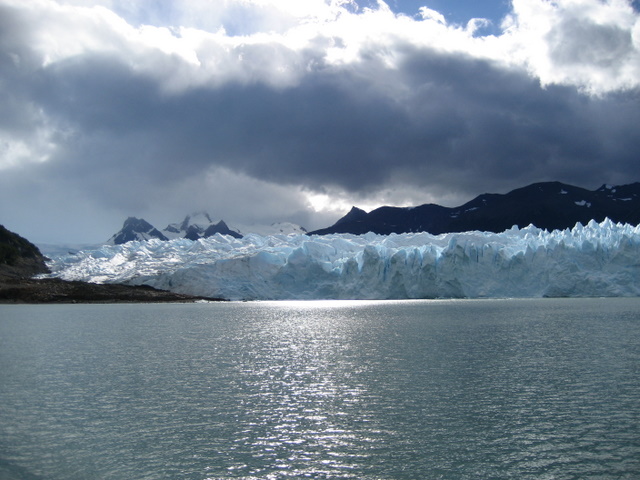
{"x": 370, "y": 390}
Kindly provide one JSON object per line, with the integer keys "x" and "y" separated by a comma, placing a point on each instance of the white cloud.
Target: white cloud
{"x": 36, "y": 145}
{"x": 429, "y": 14}
{"x": 15, "y": 153}
{"x": 590, "y": 44}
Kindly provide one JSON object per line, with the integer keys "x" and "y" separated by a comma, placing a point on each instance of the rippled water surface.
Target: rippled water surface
{"x": 526, "y": 389}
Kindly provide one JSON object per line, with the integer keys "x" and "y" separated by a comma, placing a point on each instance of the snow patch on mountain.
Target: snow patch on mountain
{"x": 599, "y": 259}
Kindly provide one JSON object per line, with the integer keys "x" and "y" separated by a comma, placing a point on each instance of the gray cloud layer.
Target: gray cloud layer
{"x": 114, "y": 140}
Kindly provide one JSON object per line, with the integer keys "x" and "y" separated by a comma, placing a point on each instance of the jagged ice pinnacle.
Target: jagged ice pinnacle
{"x": 593, "y": 260}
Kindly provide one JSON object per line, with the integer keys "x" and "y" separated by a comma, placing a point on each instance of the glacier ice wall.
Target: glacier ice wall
{"x": 593, "y": 260}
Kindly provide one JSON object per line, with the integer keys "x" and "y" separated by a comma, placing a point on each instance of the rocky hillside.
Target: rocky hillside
{"x": 19, "y": 258}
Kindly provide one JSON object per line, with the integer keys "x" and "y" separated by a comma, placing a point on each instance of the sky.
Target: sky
{"x": 261, "y": 111}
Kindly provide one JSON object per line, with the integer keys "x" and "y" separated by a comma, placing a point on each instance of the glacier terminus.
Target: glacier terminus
{"x": 597, "y": 259}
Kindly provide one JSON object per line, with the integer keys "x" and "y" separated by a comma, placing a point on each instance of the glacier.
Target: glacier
{"x": 597, "y": 259}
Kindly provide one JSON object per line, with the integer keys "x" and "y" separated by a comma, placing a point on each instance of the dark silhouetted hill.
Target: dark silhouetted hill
{"x": 19, "y": 258}
{"x": 548, "y": 205}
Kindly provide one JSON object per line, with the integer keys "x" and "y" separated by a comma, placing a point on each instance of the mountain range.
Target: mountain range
{"x": 194, "y": 226}
{"x": 548, "y": 205}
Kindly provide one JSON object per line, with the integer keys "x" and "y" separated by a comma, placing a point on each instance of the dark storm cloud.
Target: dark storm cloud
{"x": 460, "y": 121}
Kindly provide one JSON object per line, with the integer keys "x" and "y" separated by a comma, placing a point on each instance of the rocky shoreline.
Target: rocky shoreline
{"x": 55, "y": 290}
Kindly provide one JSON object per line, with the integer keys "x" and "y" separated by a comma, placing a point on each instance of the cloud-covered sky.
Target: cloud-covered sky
{"x": 286, "y": 110}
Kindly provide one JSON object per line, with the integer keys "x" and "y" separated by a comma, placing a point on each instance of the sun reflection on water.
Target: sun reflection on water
{"x": 321, "y": 304}
{"x": 303, "y": 396}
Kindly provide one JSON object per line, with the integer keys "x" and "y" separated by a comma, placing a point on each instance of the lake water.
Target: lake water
{"x": 464, "y": 389}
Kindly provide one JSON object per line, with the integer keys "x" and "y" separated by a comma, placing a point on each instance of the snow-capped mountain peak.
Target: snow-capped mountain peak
{"x": 193, "y": 225}
{"x": 198, "y": 225}
{"x": 135, "y": 229}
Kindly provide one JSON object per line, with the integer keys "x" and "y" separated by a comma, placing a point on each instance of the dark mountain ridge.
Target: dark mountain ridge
{"x": 547, "y": 205}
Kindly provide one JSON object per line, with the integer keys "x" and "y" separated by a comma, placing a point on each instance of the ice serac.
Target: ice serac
{"x": 597, "y": 259}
